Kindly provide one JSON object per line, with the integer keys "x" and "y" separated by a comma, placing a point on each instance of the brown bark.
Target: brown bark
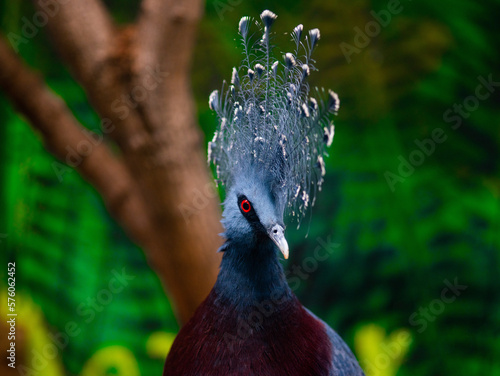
{"x": 159, "y": 187}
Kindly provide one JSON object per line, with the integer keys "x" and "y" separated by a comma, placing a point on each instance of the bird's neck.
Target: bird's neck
{"x": 251, "y": 275}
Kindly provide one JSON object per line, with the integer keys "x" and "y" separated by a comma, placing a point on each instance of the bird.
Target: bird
{"x": 268, "y": 152}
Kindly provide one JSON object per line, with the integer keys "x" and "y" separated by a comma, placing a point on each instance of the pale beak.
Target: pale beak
{"x": 277, "y": 235}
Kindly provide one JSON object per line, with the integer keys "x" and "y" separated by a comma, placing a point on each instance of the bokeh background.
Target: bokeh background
{"x": 401, "y": 234}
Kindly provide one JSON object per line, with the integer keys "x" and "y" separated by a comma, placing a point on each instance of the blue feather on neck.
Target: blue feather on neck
{"x": 251, "y": 273}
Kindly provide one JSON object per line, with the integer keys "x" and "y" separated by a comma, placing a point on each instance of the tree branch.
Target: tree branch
{"x": 97, "y": 55}
{"x": 85, "y": 35}
{"x": 166, "y": 29}
{"x": 63, "y": 136}
{"x": 166, "y": 33}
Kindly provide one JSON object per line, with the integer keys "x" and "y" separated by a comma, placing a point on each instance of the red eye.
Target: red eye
{"x": 245, "y": 206}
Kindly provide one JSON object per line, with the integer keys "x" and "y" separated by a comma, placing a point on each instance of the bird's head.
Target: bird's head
{"x": 253, "y": 211}
{"x": 272, "y": 134}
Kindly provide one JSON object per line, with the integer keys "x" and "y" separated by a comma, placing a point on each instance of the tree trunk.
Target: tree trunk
{"x": 157, "y": 186}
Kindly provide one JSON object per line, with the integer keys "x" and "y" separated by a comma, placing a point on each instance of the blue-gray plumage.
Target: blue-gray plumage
{"x": 268, "y": 151}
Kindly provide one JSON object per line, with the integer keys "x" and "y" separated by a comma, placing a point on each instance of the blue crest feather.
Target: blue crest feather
{"x": 269, "y": 120}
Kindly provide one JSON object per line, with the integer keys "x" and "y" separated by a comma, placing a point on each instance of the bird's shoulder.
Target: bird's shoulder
{"x": 344, "y": 363}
